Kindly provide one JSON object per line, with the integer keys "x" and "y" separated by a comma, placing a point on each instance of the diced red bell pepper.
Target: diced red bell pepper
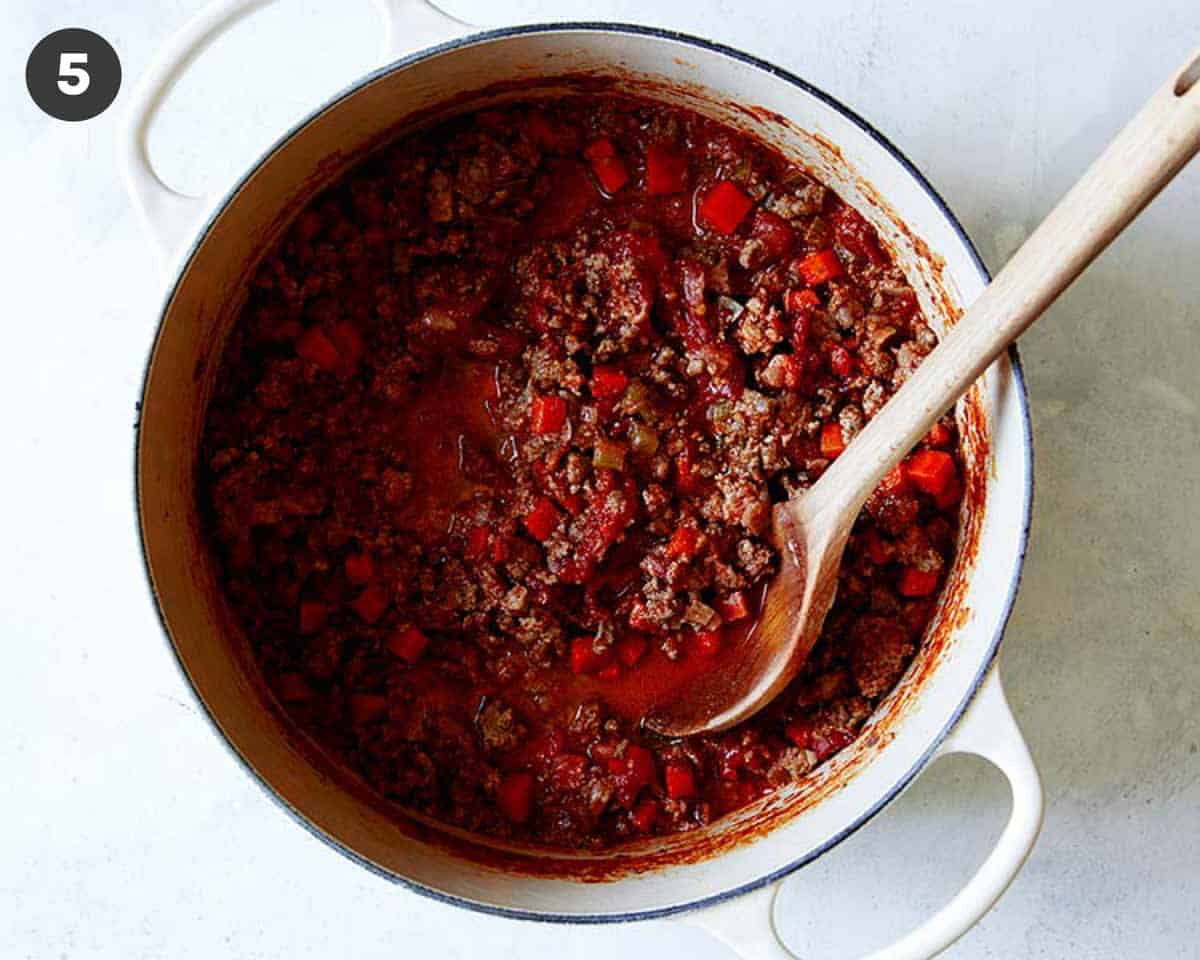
{"x": 408, "y": 644}
{"x": 359, "y": 567}
{"x": 542, "y": 520}
{"x": 644, "y": 815}
{"x": 514, "y": 797}
{"x": 724, "y": 206}
{"x": 607, "y": 165}
{"x": 832, "y": 440}
{"x": 367, "y": 707}
{"x": 608, "y": 382}
{"x": 684, "y": 543}
{"x": 314, "y": 346}
{"x": 680, "y": 780}
{"x": 820, "y": 267}
{"x": 312, "y": 616}
{"x": 585, "y": 659}
{"x": 800, "y": 300}
{"x": 841, "y": 361}
{"x": 666, "y": 170}
{"x": 371, "y": 604}
{"x": 707, "y": 643}
{"x": 631, "y": 648}
{"x": 931, "y": 471}
{"x": 547, "y": 414}
{"x": 734, "y": 606}
{"x": 292, "y": 688}
{"x": 917, "y": 583}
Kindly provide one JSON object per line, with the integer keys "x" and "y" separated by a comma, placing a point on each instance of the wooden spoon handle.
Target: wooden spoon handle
{"x": 1143, "y": 158}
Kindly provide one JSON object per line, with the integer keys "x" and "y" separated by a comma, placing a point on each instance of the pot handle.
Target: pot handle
{"x": 989, "y": 730}
{"x": 171, "y": 217}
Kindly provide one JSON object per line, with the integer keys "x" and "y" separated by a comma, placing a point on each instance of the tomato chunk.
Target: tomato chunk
{"x": 841, "y": 361}
{"x": 724, "y": 207}
{"x": 950, "y": 495}
{"x": 680, "y": 780}
{"x": 312, "y": 616}
{"x": 666, "y": 170}
{"x": 631, "y": 648}
{"x": 349, "y": 343}
{"x": 359, "y": 567}
{"x": 514, "y": 797}
{"x": 477, "y": 542}
{"x": 292, "y": 688}
{"x": 542, "y": 519}
{"x": 707, "y": 643}
{"x": 931, "y": 471}
{"x": 894, "y": 482}
{"x": 367, "y": 707}
{"x": 541, "y": 132}
{"x": 644, "y": 815}
{"x": 547, "y": 414}
{"x": 607, "y": 165}
{"x": 820, "y": 267}
{"x": 585, "y": 659}
{"x": 832, "y": 440}
{"x": 917, "y": 583}
{"x": 774, "y": 235}
{"x": 632, "y": 772}
{"x": 371, "y": 604}
{"x": 408, "y": 644}
{"x": 315, "y": 347}
{"x": 939, "y": 436}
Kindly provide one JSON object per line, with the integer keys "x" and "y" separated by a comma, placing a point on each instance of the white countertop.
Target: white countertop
{"x": 128, "y": 831}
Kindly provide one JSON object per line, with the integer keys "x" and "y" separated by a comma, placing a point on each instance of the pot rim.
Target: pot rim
{"x": 217, "y": 207}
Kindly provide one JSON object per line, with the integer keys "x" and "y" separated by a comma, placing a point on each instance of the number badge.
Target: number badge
{"x": 73, "y": 74}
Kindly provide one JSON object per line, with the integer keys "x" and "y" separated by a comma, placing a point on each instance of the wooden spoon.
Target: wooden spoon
{"x": 811, "y": 529}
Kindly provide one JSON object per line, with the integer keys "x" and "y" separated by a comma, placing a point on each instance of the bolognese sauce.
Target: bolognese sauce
{"x": 490, "y": 463}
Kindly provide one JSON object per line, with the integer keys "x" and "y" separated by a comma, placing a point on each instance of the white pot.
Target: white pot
{"x": 950, "y": 699}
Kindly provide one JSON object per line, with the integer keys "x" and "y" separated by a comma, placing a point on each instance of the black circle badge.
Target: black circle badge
{"x": 73, "y": 74}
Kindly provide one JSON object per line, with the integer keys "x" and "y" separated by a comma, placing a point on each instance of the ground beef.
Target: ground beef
{"x": 490, "y": 463}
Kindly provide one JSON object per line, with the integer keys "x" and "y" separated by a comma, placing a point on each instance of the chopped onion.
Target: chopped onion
{"x": 643, "y": 440}
{"x": 608, "y": 454}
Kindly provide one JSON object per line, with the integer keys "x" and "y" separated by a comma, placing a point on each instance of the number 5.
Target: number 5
{"x": 72, "y": 78}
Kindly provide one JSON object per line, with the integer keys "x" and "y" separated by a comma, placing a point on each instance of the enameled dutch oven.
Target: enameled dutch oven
{"x": 727, "y": 874}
